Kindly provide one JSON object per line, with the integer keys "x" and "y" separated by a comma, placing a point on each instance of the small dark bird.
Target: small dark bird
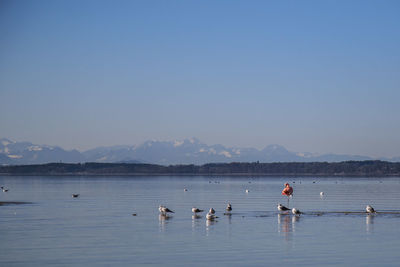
{"x": 75, "y": 195}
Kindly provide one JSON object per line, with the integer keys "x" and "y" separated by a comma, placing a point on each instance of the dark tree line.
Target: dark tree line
{"x": 346, "y": 168}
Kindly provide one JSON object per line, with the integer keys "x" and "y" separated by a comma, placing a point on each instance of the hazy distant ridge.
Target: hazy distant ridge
{"x": 188, "y": 151}
{"x": 347, "y": 168}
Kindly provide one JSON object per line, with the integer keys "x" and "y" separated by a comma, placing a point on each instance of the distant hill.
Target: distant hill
{"x": 347, "y": 168}
{"x": 188, "y": 151}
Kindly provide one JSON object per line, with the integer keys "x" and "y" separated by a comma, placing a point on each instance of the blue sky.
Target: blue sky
{"x": 317, "y": 76}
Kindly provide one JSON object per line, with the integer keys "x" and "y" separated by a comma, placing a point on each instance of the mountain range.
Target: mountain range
{"x": 187, "y": 151}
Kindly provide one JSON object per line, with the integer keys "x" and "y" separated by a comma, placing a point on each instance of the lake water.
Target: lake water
{"x": 98, "y": 228}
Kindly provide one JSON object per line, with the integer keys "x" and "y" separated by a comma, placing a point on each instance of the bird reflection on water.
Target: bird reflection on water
{"x": 195, "y": 221}
{"x": 369, "y": 223}
{"x": 295, "y": 219}
{"x": 286, "y": 225}
{"x": 208, "y": 224}
{"x": 163, "y": 220}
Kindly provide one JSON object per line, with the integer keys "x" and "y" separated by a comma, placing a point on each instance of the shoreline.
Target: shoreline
{"x": 291, "y": 175}
{"x": 291, "y": 169}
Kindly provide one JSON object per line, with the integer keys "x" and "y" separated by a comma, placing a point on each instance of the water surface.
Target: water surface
{"x": 98, "y": 229}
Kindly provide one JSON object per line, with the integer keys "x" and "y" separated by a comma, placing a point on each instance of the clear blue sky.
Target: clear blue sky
{"x": 318, "y": 76}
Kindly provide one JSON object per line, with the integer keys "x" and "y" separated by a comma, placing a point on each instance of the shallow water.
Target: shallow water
{"x": 98, "y": 229}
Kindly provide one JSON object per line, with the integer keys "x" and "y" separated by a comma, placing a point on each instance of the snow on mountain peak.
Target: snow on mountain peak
{"x": 184, "y": 151}
{"x": 236, "y": 151}
{"x": 14, "y": 156}
{"x": 35, "y": 148}
{"x": 6, "y": 142}
{"x": 226, "y": 154}
{"x": 194, "y": 140}
{"x": 178, "y": 143}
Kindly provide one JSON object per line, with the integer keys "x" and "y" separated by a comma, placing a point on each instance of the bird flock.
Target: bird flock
{"x": 164, "y": 211}
{"x": 287, "y": 191}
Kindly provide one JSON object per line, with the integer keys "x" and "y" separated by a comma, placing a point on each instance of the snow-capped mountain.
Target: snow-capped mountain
{"x": 12, "y": 152}
{"x": 188, "y": 151}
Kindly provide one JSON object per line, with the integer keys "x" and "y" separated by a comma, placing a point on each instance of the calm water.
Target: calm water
{"x": 98, "y": 229}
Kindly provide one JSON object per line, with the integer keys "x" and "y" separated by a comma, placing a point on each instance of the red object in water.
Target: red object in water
{"x": 288, "y": 191}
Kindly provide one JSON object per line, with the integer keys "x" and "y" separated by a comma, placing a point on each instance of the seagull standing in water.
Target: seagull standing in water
{"x": 296, "y": 211}
{"x": 211, "y": 217}
{"x": 370, "y": 209}
{"x": 282, "y": 208}
{"x": 196, "y": 210}
{"x": 164, "y": 210}
{"x": 229, "y": 207}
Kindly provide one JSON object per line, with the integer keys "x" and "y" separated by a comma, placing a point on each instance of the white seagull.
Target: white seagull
{"x": 164, "y": 210}
{"x": 229, "y": 207}
{"x": 369, "y": 209}
{"x": 196, "y": 210}
{"x": 296, "y": 211}
{"x": 247, "y": 190}
{"x": 282, "y": 208}
{"x": 321, "y": 194}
